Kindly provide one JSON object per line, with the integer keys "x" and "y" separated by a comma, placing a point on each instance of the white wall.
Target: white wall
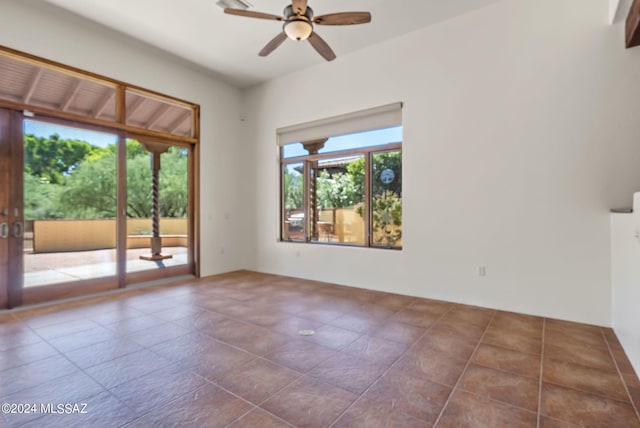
{"x": 625, "y": 259}
{"x": 520, "y": 133}
{"x": 43, "y": 30}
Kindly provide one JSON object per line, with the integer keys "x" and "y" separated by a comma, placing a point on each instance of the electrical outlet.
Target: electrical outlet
{"x": 482, "y": 270}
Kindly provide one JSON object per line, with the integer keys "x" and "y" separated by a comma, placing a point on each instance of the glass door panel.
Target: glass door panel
{"x": 70, "y": 197}
{"x": 157, "y": 206}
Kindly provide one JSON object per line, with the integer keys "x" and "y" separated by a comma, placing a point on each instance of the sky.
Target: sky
{"x": 42, "y": 129}
{"x": 376, "y": 137}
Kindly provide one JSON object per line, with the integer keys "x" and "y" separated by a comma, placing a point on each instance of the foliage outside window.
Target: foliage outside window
{"x": 351, "y": 196}
{"x": 73, "y": 179}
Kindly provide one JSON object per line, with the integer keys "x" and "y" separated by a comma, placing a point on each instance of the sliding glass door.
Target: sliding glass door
{"x": 84, "y": 210}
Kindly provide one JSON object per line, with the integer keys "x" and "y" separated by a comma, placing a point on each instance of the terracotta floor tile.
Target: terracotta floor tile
{"x": 11, "y": 325}
{"x": 157, "y": 334}
{"x": 208, "y": 406}
{"x": 265, "y": 316}
{"x": 586, "y": 409}
{"x": 546, "y": 422}
{"x": 150, "y": 391}
{"x": 514, "y": 340}
{"x": 128, "y": 367}
{"x": 460, "y": 328}
{"x": 508, "y": 360}
{"x": 622, "y": 361}
{"x": 586, "y": 379}
{"x": 18, "y": 338}
{"x": 394, "y": 301}
{"x": 35, "y": 373}
{"x": 433, "y": 307}
{"x": 506, "y": 387}
{"x": 447, "y": 342}
{"x": 518, "y": 323}
{"x": 82, "y": 339}
{"x": 399, "y": 332}
{"x": 415, "y": 317}
{"x": 573, "y": 327}
{"x": 372, "y": 413}
{"x": 19, "y": 356}
{"x": 359, "y": 323}
{"x": 569, "y": 337}
{"x": 206, "y": 356}
{"x": 431, "y": 364}
{"x": 633, "y": 385}
{"x": 321, "y": 314}
{"x": 160, "y": 351}
{"x": 291, "y": 325}
{"x": 73, "y": 388}
{"x": 102, "y": 352}
{"x": 472, "y": 315}
{"x": 101, "y": 410}
{"x": 467, "y": 410}
{"x": 300, "y": 355}
{"x": 257, "y": 380}
{"x": 249, "y": 337}
{"x": 53, "y": 331}
{"x": 259, "y": 418}
{"x": 376, "y": 349}
{"x": 414, "y": 396}
{"x": 310, "y": 403}
{"x": 333, "y": 337}
{"x": 595, "y": 357}
{"x": 133, "y": 325}
{"x": 348, "y": 372}
{"x": 201, "y": 319}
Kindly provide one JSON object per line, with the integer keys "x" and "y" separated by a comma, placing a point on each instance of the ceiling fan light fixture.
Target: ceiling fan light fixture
{"x": 298, "y": 29}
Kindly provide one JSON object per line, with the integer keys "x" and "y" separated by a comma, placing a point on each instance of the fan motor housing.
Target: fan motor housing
{"x": 295, "y": 19}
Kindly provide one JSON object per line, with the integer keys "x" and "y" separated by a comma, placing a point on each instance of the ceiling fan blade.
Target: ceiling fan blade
{"x": 322, "y": 47}
{"x": 299, "y": 6}
{"x": 343, "y": 18}
{"x": 252, "y": 14}
{"x": 273, "y": 44}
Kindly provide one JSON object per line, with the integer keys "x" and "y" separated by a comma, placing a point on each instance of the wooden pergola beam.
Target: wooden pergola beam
{"x": 633, "y": 25}
{"x": 31, "y": 87}
{"x": 179, "y": 121}
{"x": 71, "y": 94}
{"x": 102, "y": 104}
{"x": 157, "y": 116}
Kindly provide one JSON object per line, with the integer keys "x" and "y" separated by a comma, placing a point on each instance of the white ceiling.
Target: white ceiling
{"x": 199, "y": 31}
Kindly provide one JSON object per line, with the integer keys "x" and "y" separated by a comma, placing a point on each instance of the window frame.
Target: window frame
{"x": 367, "y": 153}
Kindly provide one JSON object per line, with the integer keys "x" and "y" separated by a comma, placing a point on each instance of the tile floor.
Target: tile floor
{"x": 225, "y": 351}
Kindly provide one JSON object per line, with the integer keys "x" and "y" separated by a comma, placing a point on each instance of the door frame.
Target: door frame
{"x": 12, "y": 157}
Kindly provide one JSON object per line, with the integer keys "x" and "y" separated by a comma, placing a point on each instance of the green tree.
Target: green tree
{"x": 90, "y": 190}
{"x": 51, "y": 158}
{"x": 341, "y": 190}
{"x": 293, "y": 189}
{"x": 41, "y": 199}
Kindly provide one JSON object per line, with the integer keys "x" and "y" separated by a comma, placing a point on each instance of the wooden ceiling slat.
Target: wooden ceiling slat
{"x": 137, "y": 104}
{"x": 72, "y": 92}
{"x": 157, "y": 116}
{"x": 179, "y": 121}
{"x": 102, "y": 104}
{"x": 33, "y": 82}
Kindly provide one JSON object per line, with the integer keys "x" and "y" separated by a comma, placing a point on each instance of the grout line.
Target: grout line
{"x": 620, "y": 375}
{"x": 464, "y": 370}
{"x": 544, "y": 327}
{"x": 451, "y": 305}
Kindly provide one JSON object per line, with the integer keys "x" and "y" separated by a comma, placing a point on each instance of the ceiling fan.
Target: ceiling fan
{"x": 298, "y": 25}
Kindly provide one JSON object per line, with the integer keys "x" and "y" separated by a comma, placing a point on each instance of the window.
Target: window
{"x": 345, "y": 189}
